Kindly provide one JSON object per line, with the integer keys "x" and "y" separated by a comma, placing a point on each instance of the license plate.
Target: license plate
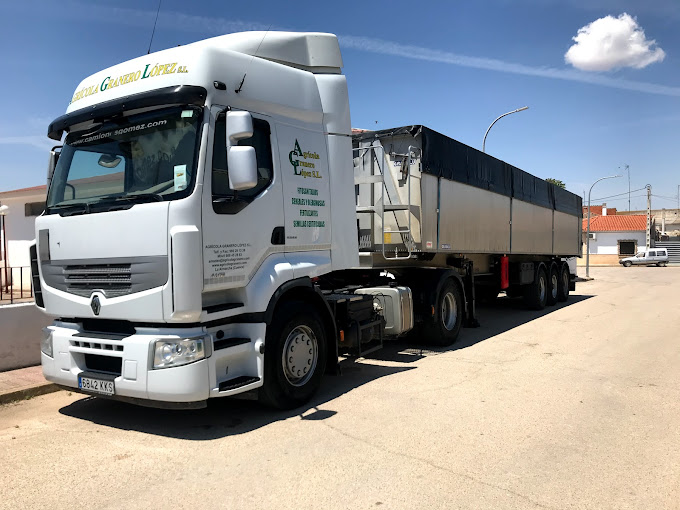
{"x": 96, "y": 385}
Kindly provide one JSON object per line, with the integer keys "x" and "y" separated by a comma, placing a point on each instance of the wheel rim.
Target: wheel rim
{"x": 449, "y": 313}
{"x": 565, "y": 280}
{"x": 300, "y": 355}
{"x": 553, "y": 290}
{"x": 541, "y": 288}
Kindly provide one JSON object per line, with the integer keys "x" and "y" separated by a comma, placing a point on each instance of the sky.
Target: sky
{"x": 601, "y": 78}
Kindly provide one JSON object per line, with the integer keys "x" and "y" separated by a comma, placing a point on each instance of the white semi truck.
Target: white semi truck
{"x": 214, "y": 226}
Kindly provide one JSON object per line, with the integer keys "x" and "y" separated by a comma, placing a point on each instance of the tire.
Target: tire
{"x": 563, "y": 284}
{"x": 536, "y": 294}
{"x": 286, "y": 384}
{"x": 443, "y": 329}
{"x": 553, "y": 285}
{"x": 627, "y": 264}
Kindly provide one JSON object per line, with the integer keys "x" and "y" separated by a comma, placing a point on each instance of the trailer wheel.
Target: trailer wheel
{"x": 536, "y": 294}
{"x": 563, "y": 285}
{"x": 445, "y": 325}
{"x": 553, "y": 285}
{"x": 295, "y": 356}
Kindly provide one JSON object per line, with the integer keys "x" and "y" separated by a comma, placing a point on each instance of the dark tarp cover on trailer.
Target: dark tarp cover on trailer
{"x": 448, "y": 158}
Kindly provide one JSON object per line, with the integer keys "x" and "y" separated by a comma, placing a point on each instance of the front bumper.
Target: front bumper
{"x": 129, "y": 363}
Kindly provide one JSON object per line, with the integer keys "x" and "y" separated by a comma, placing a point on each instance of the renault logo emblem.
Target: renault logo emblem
{"x": 96, "y": 305}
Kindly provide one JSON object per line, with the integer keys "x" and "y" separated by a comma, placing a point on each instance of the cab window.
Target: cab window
{"x": 226, "y": 200}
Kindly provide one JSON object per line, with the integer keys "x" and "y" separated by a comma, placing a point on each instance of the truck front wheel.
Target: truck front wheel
{"x": 445, "y": 325}
{"x": 295, "y": 356}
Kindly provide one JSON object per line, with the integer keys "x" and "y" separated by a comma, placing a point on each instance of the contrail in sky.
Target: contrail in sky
{"x": 419, "y": 53}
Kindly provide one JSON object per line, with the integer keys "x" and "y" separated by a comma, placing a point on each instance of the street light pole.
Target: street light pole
{"x": 497, "y": 119}
{"x": 588, "y": 231}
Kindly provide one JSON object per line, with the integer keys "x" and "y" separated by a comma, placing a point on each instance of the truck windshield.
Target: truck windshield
{"x": 143, "y": 157}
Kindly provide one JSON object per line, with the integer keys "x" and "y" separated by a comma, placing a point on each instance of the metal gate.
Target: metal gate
{"x": 673, "y": 248}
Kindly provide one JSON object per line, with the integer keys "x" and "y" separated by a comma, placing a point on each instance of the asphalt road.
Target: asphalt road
{"x": 573, "y": 407}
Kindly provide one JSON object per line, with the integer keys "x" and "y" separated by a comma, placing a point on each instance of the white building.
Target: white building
{"x": 614, "y": 237}
{"x": 23, "y": 206}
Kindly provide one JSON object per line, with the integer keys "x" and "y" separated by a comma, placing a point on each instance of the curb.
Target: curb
{"x": 25, "y": 393}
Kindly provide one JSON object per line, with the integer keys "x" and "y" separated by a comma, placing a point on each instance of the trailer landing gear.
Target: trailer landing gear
{"x": 470, "y": 308}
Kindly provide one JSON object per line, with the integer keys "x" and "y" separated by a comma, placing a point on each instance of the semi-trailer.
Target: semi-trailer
{"x": 214, "y": 226}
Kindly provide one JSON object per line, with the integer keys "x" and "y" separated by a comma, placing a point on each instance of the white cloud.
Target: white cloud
{"x": 611, "y": 43}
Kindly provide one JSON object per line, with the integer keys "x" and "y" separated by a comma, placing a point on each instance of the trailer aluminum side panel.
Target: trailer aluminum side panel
{"x": 462, "y": 200}
{"x": 464, "y": 209}
{"x": 567, "y": 233}
{"x": 531, "y": 228}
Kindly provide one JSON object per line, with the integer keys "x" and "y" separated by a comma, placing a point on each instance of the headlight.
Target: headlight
{"x": 173, "y": 353}
{"x": 46, "y": 343}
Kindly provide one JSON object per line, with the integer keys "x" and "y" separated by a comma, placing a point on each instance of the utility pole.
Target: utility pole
{"x": 649, "y": 216}
{"x": 628, "y": 170}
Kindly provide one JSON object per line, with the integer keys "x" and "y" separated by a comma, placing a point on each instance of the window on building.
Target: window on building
{"x": 225, "y": 199}
{"x": 34, "y": 208}
{"x": 627, "y": 248}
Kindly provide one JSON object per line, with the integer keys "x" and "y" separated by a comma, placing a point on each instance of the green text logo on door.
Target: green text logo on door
{"x": 300, "y": 164}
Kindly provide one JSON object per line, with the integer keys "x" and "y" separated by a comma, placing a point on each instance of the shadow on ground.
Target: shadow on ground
{"x": 230, "y": 416}
{"x": 223, "y": 416}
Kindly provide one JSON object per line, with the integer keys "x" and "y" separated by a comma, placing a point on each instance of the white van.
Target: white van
{"x": 650, "y": 257}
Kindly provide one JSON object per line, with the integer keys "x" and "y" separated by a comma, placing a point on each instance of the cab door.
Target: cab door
{"x": 306, "y": 187}
{"x": 239, "y": 226}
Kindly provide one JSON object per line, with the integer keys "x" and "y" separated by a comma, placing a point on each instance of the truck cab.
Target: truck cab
{"x": 192, "y": 185}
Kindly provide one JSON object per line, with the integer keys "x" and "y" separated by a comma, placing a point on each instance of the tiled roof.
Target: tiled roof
{"x": 616, "y": 223}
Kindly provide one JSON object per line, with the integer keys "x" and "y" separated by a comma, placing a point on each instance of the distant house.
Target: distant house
{"x": 24, "y": 205}
{"x": 599, "y": 210}
{"x": 614, "y": 237}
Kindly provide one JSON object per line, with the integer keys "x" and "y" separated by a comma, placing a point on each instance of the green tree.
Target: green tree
{"x": 556, "y": 182}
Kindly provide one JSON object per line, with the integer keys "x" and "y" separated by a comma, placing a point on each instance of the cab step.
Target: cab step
{"x": 237, "y": 382}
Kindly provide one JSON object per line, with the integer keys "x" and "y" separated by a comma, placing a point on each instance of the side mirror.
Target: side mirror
{"x": 54, "y": 157}
{"x": 241, "y": 160}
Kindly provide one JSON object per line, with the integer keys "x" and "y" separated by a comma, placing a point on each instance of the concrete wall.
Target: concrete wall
{"x": 20, "y": 334}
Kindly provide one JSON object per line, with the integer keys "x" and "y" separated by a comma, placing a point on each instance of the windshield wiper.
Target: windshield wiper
{"x": 133, "y": 198}
{"x": 79, "y": 208}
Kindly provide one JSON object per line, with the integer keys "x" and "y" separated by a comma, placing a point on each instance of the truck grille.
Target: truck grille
{"x": 112, "y": 279}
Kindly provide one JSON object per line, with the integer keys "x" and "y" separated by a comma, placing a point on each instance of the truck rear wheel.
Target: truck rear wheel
{"x": 536, "y": 294}
{"x": 563, "y": 285}
{"x": 295, "y": 356}
{"x": 445, "y": 325}
{"x": 553, "y": 285}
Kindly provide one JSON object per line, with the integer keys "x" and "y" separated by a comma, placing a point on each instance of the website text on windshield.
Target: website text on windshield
{"x": 150, "y": 155}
